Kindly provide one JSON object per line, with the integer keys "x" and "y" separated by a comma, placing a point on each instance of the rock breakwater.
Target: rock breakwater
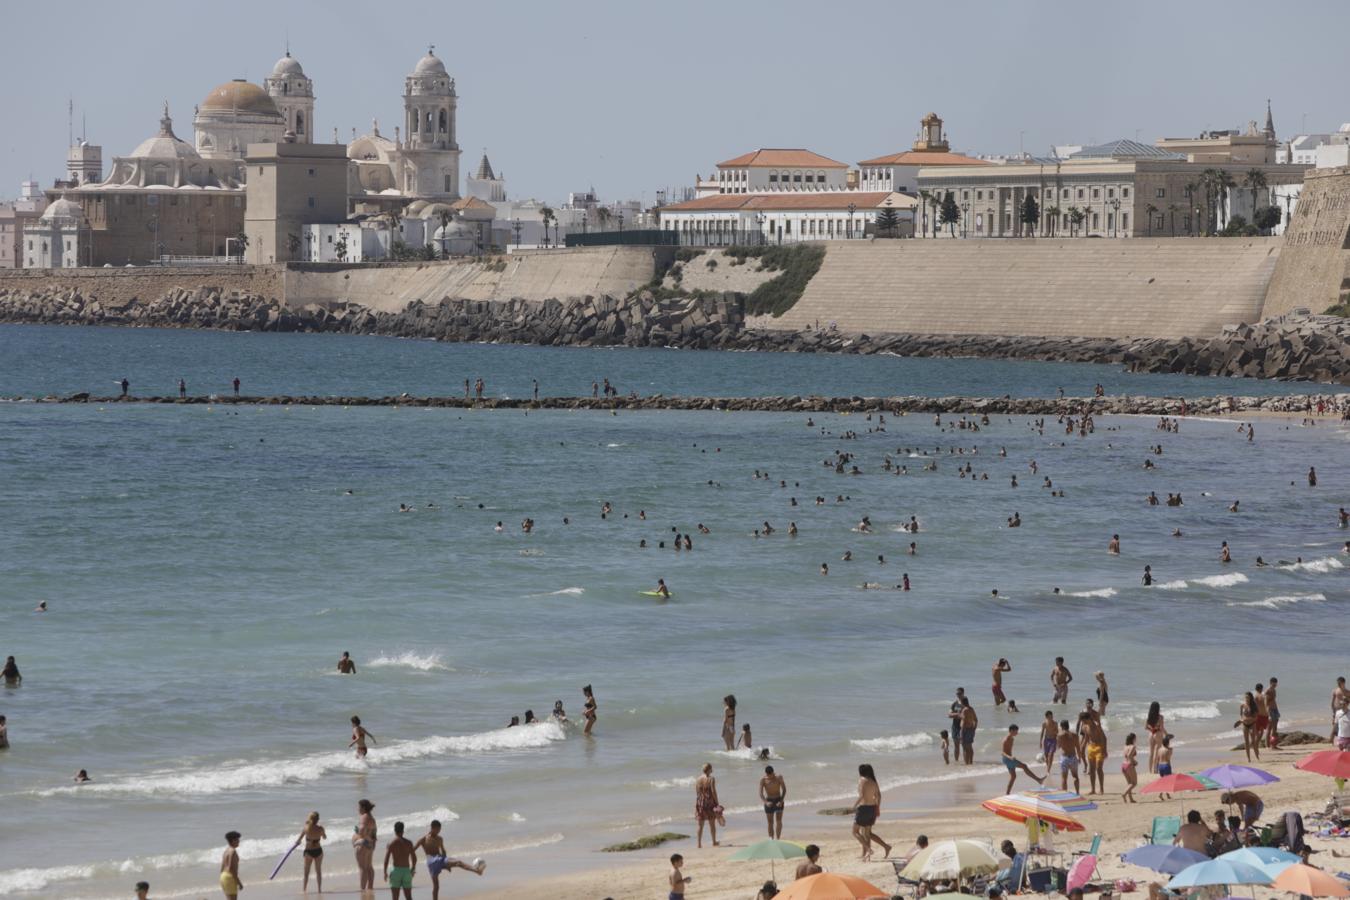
{"x": 1296, "y": 346}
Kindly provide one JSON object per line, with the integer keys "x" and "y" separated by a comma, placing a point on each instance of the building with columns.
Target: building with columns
{"x": 292, "y": 93}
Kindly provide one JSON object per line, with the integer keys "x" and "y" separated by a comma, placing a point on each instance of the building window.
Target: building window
{"x": 1096, "y": 192}
{"x": 1049, "y": 193}
{"x": 1080, "y": 193}
{"x": 1124, "y": 221}
{"x": 773, "y": 177}
{"x": 1110, "y": 192}
{"x": 311, "y": 173}
{"x": 1065, "y": 194}
{"x": 1095, "y": 220}
{"x": 1125, "y": 192}
{"x": 796, "y": 178}
{"x": 311, "y": 202}
{"x": 447, "y": 184}
{"x": 1162, "y": 192}
{"x": 330, "y": 239}
{"x": 965, "y": 195}
{"x": 979, "y": 195}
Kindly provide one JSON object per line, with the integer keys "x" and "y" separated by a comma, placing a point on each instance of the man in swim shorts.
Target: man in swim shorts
{"x": 404, "y": 855}
{"x": 1067, "y": 744}
{"x": 230, "y": 885}
{"x": 969, "y": 721}
{"x": 1095, "y": 754}
{"x": 773, "y": 793}
{"x": 1248, "y": 804}
{"x": 999, "y": 668}
{"x": 1012, "y": 762}
{"x": 1049, "y": 739}
{"x": 438, "y": 861}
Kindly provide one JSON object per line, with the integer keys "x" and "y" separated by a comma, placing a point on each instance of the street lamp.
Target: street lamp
{"x": 583, "y": 223}
{"x": 851, "y": 208}
{"x": 760, "y": 219}
{"x": 620, "y": 223}
{"x": 965, "y": 220}
{"x": 1115, "y": 216}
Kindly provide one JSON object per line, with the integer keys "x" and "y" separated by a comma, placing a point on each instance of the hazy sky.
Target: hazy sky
{"x": 633, "y": 96}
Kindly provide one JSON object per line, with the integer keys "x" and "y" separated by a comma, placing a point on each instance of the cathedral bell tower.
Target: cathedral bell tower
{"x": 429, "y": 145}
{"x": 293, "y": 93}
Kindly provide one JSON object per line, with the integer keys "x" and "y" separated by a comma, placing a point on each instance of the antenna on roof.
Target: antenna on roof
{"x": 70, "y": 122}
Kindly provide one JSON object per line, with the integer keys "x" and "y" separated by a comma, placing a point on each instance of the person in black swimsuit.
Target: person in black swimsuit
{"x": 313, "y": 834}
{"x": 1103, "y": 695}
{"x": 773, "y": 791}
{"x": 589, "y": 712}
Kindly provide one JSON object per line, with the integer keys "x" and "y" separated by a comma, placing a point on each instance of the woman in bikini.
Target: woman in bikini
{"x": 1129, "y": 767}
{"x": 1247, "y": 719}
{"x": 865, "y": 811}
{"x": 363, "y": 844}
{"x": 312, "y": 834}
{"x": 729, "y": 721}
{"x": 1103, "y": 695}
{"x": 1157, "y": 730}
{"x": 706, "y": 807}
{"x": 589, "y": 712}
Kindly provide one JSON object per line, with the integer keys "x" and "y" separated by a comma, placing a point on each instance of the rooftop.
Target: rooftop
{"x": 791, "y": 201}
{"x": 1125, "y": 149}
{"x": 923, "y": 158}
{"x": 770, "y": 157}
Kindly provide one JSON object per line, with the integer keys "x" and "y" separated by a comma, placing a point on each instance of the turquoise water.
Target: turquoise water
{"x": 205, "y": 567}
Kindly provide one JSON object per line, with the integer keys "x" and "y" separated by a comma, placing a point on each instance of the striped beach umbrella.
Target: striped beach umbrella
{"x": 1022, "y": 807}
{"x": 1065, "y": 800}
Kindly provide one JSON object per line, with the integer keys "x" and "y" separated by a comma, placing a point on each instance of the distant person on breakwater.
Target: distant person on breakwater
{"x": 359, "y": 735}
{"x": 182, "y": 388}
{"x": 236, "y": 387}
{"x": 126, "y": 386}
{"x": 346, "y": 665}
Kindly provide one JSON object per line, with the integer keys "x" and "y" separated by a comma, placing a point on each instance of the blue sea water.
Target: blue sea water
{"x": 205, "y": 566}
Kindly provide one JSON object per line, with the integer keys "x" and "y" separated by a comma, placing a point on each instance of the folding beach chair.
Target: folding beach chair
{"x": 905, "y": 884}
{"x": 1164, "y": 829}
{"x": 1094, "y": 850}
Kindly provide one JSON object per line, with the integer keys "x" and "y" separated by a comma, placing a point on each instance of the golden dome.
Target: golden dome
{"x": 240, "y": 96}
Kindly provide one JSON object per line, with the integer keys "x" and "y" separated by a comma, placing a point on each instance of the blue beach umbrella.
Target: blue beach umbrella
{"x": 1233, "y": 777}
{"x": 1164, "y": 858}
{"x": 1270, "y": 860}
{"x": 1218, "y": 871}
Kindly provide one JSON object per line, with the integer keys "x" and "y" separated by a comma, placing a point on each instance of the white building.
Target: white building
{"x": 332, "y": 243}
{"x": 59, "y": 239}
{"x": 774, "y": 170}
{"x": 292, "y": 93}
{"x": 784, "y": 218}
{"x": 1323, "y": 151}
{"x": 900, "y": 171}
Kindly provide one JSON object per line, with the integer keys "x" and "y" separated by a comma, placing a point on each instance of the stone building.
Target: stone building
{"x": 15, "y": 217}
{"x": 59, "y": 239}
{"x": 292, "y": 93}
{"x": 291, "y": 185}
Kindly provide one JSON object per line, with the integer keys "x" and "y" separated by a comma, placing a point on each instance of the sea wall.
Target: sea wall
{"x": 1160, "y": 288}
{"x": 1314, "y": 267}
{"x": 145, "y": 284}
{"x": 528, "y": 275}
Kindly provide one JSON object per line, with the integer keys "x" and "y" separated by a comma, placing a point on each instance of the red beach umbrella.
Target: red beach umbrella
{"x": 1173, "y": 784}
{"x": 1332, "y": 763}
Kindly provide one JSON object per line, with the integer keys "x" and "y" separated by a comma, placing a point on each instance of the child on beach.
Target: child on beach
{"x": 1165, "y": 762}
{"x": 230, "y": 885}
{"x": 677, "y": 878}
{"x": 946, "y": 748}
{"x": 1129, "y": 767}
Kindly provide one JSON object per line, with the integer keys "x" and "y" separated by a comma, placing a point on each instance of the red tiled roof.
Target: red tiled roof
{"x": 923, "y": 158}
{"x": 770, "y": 157}
{"x": 789, "y": 200}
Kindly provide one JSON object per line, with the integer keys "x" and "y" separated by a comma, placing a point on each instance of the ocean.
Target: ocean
{"x": 205, "y": 566}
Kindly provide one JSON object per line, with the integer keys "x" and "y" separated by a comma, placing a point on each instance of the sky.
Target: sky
{"x": 632, "y": 96}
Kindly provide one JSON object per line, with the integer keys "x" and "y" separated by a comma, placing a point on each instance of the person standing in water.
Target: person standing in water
{"x": 11, "y": 673}
{"x": 999, "y": 668}
{"x": 1103, "y": 693}
{"x": 359, "y": 735}
{"x": 866, "y": 809}
{"x": 346, "y": 665}
{"x": 312, "y": 834}
{"x": 404, "y": 855}
{"x": 589, "y": 712}
{"x": 773, "y": 794}
{"x": 1060, "y": 678}
{"x": 363, "y": 844}
{"x": 432, "y": 846}
{"x": 230, "y": 885}
{"x": 706, "y": 808}
{"x": 729, "y": 721}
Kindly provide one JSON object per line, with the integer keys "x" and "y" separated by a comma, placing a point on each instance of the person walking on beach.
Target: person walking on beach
{"x": 706, "y": 808}
{"x": 1012, "y": 762}
{"x": 363, "y": 844}
{"x": 1247, "y": 721}
{"x": 230, "y": 885}
{"x": 1157, "y": 731}
{"x": 589, "y": 712}
{"x": 312, "y": 834}
{"x": 1094, "y": 754}
{"x": 1060, "y": 679}
{"x": 729, "y": 721}
{"x": 1068, "y": 756}
{"x": 1262, "y": 714}
{"x": 346, "y": 665}
{"x": 773, "y": 794}
{"x": 1129, "y": 767}
{"x": 432, "y": 846}
{"x": 404, "y": 855}
{"x": 997, "y": 675}
{"x": 1273, "y": 711}
{"x": 359, "y": 735}
{"x": 866, "y": 809}
{"x": 969, "y": 722}
{"x": 1049, "y": 739}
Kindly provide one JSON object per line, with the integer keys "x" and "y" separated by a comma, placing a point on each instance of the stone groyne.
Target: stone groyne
{"x": 1294, "y": 346}
{"x": 1334, "y": 404}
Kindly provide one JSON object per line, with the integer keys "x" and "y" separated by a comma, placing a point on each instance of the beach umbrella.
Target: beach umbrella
{"x": 1332, "y": 763}
{"x": 829, "y": 886}
{"x": 1301, "y": 879}
{"x": 1065, "y": 800}
{"x": 1166, "y": 858}
{"x": 1233, "y": 777}
{"x": 1021, "y": 807}
{"x": 771, "y": 850}
{"x": 1270, "y": 859}
{"x": 1080, "y": 873}
{"x": 1173, "y": 784}
{"x": 945, "y": 860}
{"x": 1218, "y": 871}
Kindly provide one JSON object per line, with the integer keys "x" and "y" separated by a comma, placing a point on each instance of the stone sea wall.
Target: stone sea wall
{"x": 1295, "y": 346}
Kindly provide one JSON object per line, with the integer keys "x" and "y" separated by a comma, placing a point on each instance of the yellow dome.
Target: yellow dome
{"x": 240, "y": 96}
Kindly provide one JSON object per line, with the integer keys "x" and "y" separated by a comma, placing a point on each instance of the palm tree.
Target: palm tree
{"x": 1076, "y": 218}
{"x": 1209, "y": 183}
{"x": 935, "y": 201}
{"x": 546, "y": 214}
{"x": 602, "y": 213}
{"x": 1053, "y": 213}
{"x": 1172, "y": 216}
{"x": 1152, "y": 211}
{"x": 1255, "y": 181}
{"x": 1192, "y": 188}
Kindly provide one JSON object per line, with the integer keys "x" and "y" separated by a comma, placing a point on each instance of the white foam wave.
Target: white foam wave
{"x": 410, "y": 659}
{"x": 1321, "y": 566}
{"x": 1193, "y": 711}
{"x": 1282, "y": 600}
{"x": 889, "y": 785}
{"x": 668, "y": 783}
{"x": 315, "y": 766}
{"x": 750, "y": 754}
{"x": 892, "y": 744}
{"x": 570, "y": 591}
{"x": 1226, "y": 580}
{"x": 554, "y": 838}
{"x": 15, "y": 880}
{"x": 516, "y": 817}
{"x": 1100, "y": 592}
{"x": 1178, "y": 585}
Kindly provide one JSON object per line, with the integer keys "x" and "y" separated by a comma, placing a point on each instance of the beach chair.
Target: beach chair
{"x": 1094, "y": 850}
{"x": 904, "y": 884}
{"x": 1164, "y": 829}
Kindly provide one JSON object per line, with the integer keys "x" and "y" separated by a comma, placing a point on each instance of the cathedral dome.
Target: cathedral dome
{"x": 164, "y": 145}
{"x": 63, "y": 210}
{"x": 287, "y": 65}
{"x": 240, "y": 96}
{"x": 429, "y": 65}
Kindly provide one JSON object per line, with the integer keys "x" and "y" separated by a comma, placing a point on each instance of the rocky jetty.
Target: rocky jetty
{"x": 1297, "y": 346}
